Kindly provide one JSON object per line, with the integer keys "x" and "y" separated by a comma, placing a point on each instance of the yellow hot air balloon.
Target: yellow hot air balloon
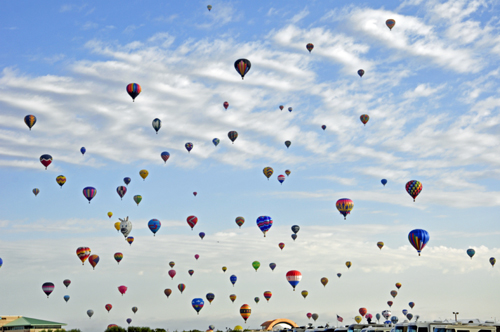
{"x": 304, "y": 293}
{"x": 358, "y": 319}
{"x": 117, "y": 226}
{"x": 268, "y": 171}
{"x": 224, "y": 269}
{"x": 144, "y": 174}
{"x": 238, "y": 328}
{"x": 348, "y": 264}
{"x": 110, "y": 214}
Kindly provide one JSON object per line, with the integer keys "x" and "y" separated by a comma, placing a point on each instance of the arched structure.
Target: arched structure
{"x": 268, "y": 325}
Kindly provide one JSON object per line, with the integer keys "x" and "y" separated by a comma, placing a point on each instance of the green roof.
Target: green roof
{"x": 26, "y": 321}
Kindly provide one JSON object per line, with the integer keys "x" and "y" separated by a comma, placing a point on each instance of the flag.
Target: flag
{"x": 340, "y": 319}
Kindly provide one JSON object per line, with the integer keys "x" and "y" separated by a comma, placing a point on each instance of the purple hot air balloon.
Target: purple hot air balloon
{"x": 89, "y": 193}
{"x": 47, "y": 288}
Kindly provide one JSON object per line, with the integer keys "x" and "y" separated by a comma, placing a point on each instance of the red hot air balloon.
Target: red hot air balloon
{"x": 133, "y": 90}
{"x": 93, "y": 260}
{"x": 46, "y": 160}
{"x": 267, "y": 295}
{"x": 293, "y": 278}
{"x": 108, "y": 307}
{"x": 172, "y": 274}
{"x": 363, "y": 311}
{"x": 122, "y": 289}
{"x": 226, "y": 104}
{"x": 281, "y": 245}
{"x": 192, "y": 220}
{"x": 309, "y": 315}
{"x": 167, "y": 292}
{"x": 195, "y": 193}
{"x": 282, "y": 107}
{"x": 83, "y": 253}
{"x": 67, "y": 282}
{"x": 390, "y": 303}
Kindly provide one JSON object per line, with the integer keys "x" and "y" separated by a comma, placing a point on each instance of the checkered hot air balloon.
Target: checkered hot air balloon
{"x": 413, "y": 188}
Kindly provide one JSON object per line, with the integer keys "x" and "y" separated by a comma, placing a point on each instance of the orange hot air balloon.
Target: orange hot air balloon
{"x": 267, "y": 295}
{"x": 324, "y": 281}
{"x": 245, "y": 311}
{"x": 167, "y": 292}
{"x": 232, "y": 297}
{"x": 398, "y": 285}
{"x": 363, "y": 311}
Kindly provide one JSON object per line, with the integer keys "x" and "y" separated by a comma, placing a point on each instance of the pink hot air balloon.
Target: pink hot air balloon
{"x": 196, "y": 256}
{"x": 122, "y": 289}
{"x": 172, "y": 274}
{"x": 309, "y": 315}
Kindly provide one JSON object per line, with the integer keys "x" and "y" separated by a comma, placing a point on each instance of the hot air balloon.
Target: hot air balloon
{"x": 192, "y": 220}
{"x": 233, "y": 135}
{"x": 242, "y": 66}
{"x": 66, "y": 298}
{"x": 165, "y": 155}
{"x": 167, "y": 292}
{"x": 390, "y": 23}
{"x": 83, "y": 150}
{"x": 232, "y": 297}
{"x": 121, "y": 190}
{"x": 413, "y": 188}
{"x": 46, "y": 160}
{"x": 181, "y": 287}
{"x": 195, "y": 193}
{"x": 211, "y": 327}
{"x": 293, "y": 278}
{"x": 309, "y": 47}
{"x": 83, "y": 253}
{"x": 398, "y": 285}
{"x": 315, "y": 316}
{"x": 61, "y": 180}
{"x": 364, "y": 118}
{"x": 418, "y": 239}
{"x": 110, "y": 214}
{"x": 493, "y": 261}
{"x": 209, "y": 7}
{"x": 89, "y": 193}
{"x": 394, "y": 293}
{"x": 268, "y": 171}
{"x": 287, "y": 144}
{"x": 281, "y": 245}
{"x": 324, "y": 281}
{"x": 197, "y": 304}
{"x": 224, "y": 269}
{"x": 130, "y": 240}
{"x": 112, "y": 325}
{"x": 394, "y": 319}
{"x": 281, "y": 178}
{"x": 471, "y": 253}
{"x": 202, "y": 235}
{"x": 256, "y": 299}
{"x": 309, "y": 315}
{"x": 233, "y": 279}
{"x": 196, "y": 256}
{"x": 288, "y": 172}
{"x": 90, "y": 313}
{"x": 290, "y": 109}
{"x": 47, "y": 288}
{"x": 108, "y": 307}
{"x": 118, "y": 257}
{"x": 191, "y": 272}
{"x": 339, "y": 275}
{"x": 268, "y": 295}
{"x": 172, "y": 264}
{"x": 256, "y": 265}
{"x": 264, "y": 223}
{"x": 66, "y": 282}
{"x": 189, "y": 146}
{"x": 294, "y": 236}
{"x": 282, "y": 107}
{"x": 129, "y": 320}
{"x": 245, "y": 311}
{"x": 323, "y": 127}
{"x": 345, "y": 205}
{"x": 172, "y": 273}
{"x": 409, "y": 316}
{"x": 361, "y": 72}
{"x": 304, "y": 293}
{"x": 384, "y": 182}
{"x": 133, "y": 90}
{"x": 156, "y": 125}
{"x": 216, "y": 141}
{"x": 380, "y": 245}
{"x": 127, "y": 180}
{"x": 348, "y": 264}
{"x": 137, "y": 199}
{"x": 240, "y": 221}
{"x": 30, "y": 120}
{"x": 154, "y": 226}
{"x": 295, "y": 228}
{"x": 377, "y": 316}
{"x": 144, "y": 174}
{"x": 362, "y": 311}
{"x": 36, "y": 191}
{"x": 134, "y": 309}
{"x": 386, "y": 314}
{"x": 93, "y": 260}
{"x": 210, "y": 297}
{"x": 117, "y": 226}
{"x": 358, "y": 319}
{"x": 226, "y": 104}
{"x": 125, "y": 226}
{"x": 405, "y": 312}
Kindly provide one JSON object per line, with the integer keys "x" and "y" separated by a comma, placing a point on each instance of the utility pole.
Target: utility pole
{"x": 455, "y": 313}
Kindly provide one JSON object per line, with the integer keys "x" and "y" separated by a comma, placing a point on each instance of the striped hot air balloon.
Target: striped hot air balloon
{"x": 245, "y": 312}
{"x": 293, "y": 277}
{"x": 133, "y": 89}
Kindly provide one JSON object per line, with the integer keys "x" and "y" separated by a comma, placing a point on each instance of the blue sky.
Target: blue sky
{"x": 430, "y": 88}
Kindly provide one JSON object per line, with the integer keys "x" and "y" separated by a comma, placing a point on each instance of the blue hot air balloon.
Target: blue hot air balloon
{"x": 202, "y": 235}
{"x": 377, "y": 316}
{"x": 156, "y": 125}
{"x": 197, "y": 304}
{"x": 418, "y": 239}
{"x": 66, "y": 298}
{"x": 154, "y": 225}
{"x": 471, "y": 252}
{"x": 394, "y": 319}
{"x": 294, "y": 236}
{"x": 405, "y": 311}
{"x": 216, "y": 141}
{"x": 126, "y": 180}
{"x": 295, "y": 229}
{"x": 83, "y": 150}
{"x": 384, "y": 182}
{"x": 409, "y": 316}
{"x": 272, "y": 266}
{"x": 1, "y": 262}
{"x": 264, "y": 223}
{"x": 233, "y": 279}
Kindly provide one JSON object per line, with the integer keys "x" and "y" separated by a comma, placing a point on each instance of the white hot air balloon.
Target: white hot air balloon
{"x": 125, "y": 226}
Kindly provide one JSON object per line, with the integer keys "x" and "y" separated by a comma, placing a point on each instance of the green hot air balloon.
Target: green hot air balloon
{"x": 137, "y": 199}
{"x": 256, "y": 265}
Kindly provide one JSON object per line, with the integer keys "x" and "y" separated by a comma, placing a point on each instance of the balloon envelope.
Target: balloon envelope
{"x": 156, "y": 125}
{"x": 272, "y": 266}
{"x": 233, "y": 279}
{"x": 46, "y": 160}
{"x": 133, "y": 89}
{"x": 197, "y": 304}
{"x": 384, "y": 181}
{"x": 242, "y": 66}
{"x": 264, "y": 223}
{"x": 418, "y": 239}
{"x": 93, "y": 260}
{"x": 245, "y": 311}
{"x": 66, "y": 298}
{"x": 345, "y": 206}
{"x": 89, "y": 193}
{"x": 90, "y": 313}
{"x": 471, "y": 252}
{"x": 122, "y": 289}
{"x": 165, "y": 155}
{"x": 413, "y": 188}
{"x": 154, "y": 225}
{"x": 293, "y": 277}
{"x": 240, "y": 221}
{"x": 66, "y": 282}
{"x": 47, "y": 288}
{"x": 30, "y": 120}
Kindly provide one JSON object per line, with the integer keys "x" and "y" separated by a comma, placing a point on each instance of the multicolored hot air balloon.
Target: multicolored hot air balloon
{"x": 216, "y": 141}
{"x": 256, "y": 265}
{"x": 154, "y": 226}
{"x": 493, "y": 261}
{"x": 47, "y": 288}
{"x": 83, "y": 253}
{"x": 380, "y": 245}
{"x": 281, "y": 178}
{"x": 364, "y": 118}
{"x": 108, "y": 307}
{"x": 256, "y": 299}
{"x": 192, "y": 220}
{"x": 189, "y": 146}
{"x": 348, "y": 264}
{"x": 209, "y": 7}
{"x": 181, "y": 287}
{"x": 121, "y": 191}
{"x": 232, "y": 297}
{"x": 304, "y": 293}
{"x": 197, "y": 304}
{"x": 66, "y": 282}
{"x": 293, "y": 278}
{"x": 413, "y": 188}
{"x": 264, "y": 223}
{"x": 268, "y": 295}
{"x": 224, "y": 269}
{"x": 137, "y": 199}
{"x": 282, "y": 107}
{"x": 324, "y": 281}
{"x": 309, "y": 47}
{"x": 394, "y": 293}
{"x": 281, "y": 245}
{"x": 398, "y": 285}
{"x": 110, "y": 214}
{"x": 36, "y": 191}
{"x": 61, "y": 180}
{"x": 89, "y": 193}
{"x": 226, "y": 104}
{"x": 290, "y": 109}
{"x": 242, "y": 66}
{"x": 156, "y": 125}
{"x": 191, "y": 272}
{"x": 130, "y": 240}
{"x": 93, "y": 260}
{"x": 167, "y": 292}
{"x": 172, "y": 264}
{"x": 245, "y": 311}
{"x": 165, "y": 155}
{"x": 46, "y": 160}
{"x": 345, "y": 205}
{"x": 172, "y": 273}
{"x": 30, "y": 120}
{"x": 268, "y": 171}
{"x": 471, "y": 252}
{"x": 133, "y": 90}
{"x": 272, "y": 266}
{"x": 288, "y": 172}
{"x": 233, "y": 135}
{"x": 118, "y": 257}
{"x": 418, "y": 239}
{"x": 240, "y": 221}
{"x": 390, "y": 23}
{"x": 390, "y": 303}
{"x": 323, "y": 127}
{"x": 233, "y": 279}
{"x": 361, "y": 72}
{"x": 287, "y": 144}
{"x": 210, "y": 297}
